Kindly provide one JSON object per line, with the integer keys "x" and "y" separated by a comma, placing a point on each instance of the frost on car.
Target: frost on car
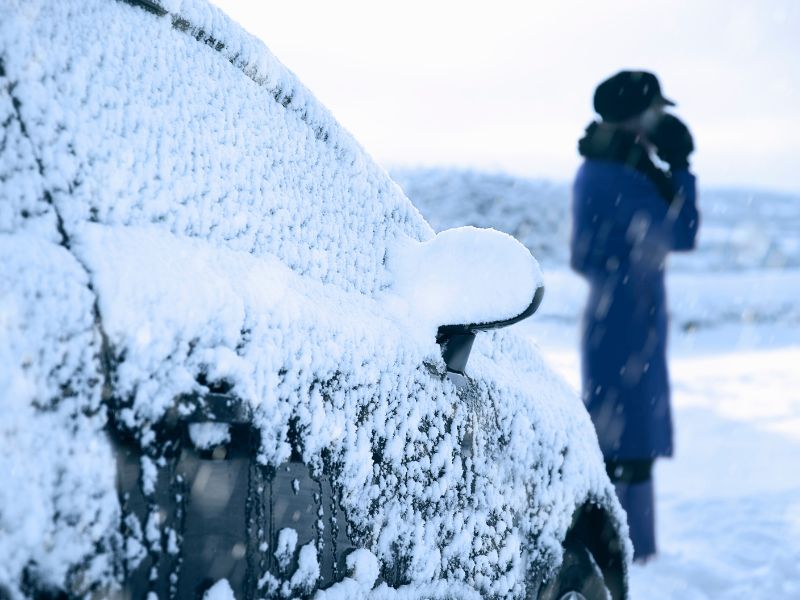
{"x": 221, "y": 343}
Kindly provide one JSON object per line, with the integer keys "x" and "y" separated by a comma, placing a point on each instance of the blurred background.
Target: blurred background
{"x": 476, "y": 108}
{"x": 507, "y": 85}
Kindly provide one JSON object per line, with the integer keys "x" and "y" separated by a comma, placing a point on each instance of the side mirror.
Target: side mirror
{"x": 456, "y": 340}
{"x": 466, "y": 280}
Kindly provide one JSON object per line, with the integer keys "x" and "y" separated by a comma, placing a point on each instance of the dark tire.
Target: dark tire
{"x": 578, "y": 577}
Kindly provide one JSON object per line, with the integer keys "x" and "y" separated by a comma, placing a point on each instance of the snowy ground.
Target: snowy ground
{"x": 729, "y": 501}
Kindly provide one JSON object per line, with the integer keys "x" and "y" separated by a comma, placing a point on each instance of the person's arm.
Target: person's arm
{"x": 683, "y": 219}
{"x": 674, "y": 144}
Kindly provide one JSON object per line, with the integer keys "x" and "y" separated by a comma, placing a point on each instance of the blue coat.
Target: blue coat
{"x": 623, "y": 230}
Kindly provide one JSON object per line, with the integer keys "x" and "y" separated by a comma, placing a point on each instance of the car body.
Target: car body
{"x": 211, "y": 368}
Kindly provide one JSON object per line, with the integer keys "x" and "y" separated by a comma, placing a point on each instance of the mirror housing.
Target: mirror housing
{"x": 456, "y": 340}
{"x": 465, "y": 277}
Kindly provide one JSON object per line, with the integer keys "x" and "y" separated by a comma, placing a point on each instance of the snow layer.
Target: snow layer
{"x": 220, "y": 591}
{"x": 363, "y": 573}
{"x": 207, "y": 435}
{"x": 179, "y": 212}
{"x": 284, "y": 548}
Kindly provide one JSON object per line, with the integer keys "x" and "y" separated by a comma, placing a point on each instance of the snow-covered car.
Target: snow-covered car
{"x": 233, "y": 355}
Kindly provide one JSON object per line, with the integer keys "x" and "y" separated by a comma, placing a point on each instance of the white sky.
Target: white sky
{"x": 507, "y": 85}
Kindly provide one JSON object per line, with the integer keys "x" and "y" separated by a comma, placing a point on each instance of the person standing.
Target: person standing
{"x": 628, "y": 214}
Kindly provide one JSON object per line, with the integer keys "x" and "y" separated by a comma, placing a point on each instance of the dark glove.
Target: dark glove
{"x": 673, "y": 142}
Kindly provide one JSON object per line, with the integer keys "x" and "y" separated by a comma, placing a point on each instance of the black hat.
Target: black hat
{"x": 627, "y": 94}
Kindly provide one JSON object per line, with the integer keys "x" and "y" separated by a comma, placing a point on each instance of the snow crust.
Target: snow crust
{"x": 220, "y": 591}
{"x": 180, "y": 212}
{"x": 364, "y": 567}
{"x": 305, "y": 577}
{"x": 287, "y": 541}
{"x": 360, "y": 585}
{"x": 208, "y": 435}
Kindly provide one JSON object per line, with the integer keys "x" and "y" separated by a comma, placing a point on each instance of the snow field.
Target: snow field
{"x": 728, "y": 514}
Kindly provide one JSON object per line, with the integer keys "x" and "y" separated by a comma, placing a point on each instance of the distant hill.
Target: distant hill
{"x": 741, "y": 228}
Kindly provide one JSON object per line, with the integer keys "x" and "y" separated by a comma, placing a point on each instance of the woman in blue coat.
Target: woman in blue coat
{"x": 628, "y": 214}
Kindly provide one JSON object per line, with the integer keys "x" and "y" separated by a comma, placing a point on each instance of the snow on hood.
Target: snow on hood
{"x": 178, "y": 204}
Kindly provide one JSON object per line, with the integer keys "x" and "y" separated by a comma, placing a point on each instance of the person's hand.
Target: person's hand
{"x": 673, "y": 141}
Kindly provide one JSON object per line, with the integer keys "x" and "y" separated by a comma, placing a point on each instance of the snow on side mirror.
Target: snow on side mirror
{"x": 466, "y": 280}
